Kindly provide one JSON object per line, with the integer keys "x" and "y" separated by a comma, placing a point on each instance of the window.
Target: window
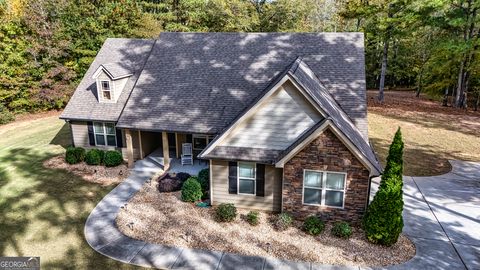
{"x": 106, "y": 92}
{"x": 200, "y": 142}
{"x": 105, "y": 134}
{"x": 324, "y": 188}
{"x": 246, "y": 178}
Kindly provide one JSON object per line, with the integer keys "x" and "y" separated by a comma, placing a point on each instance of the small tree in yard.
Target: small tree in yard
{"x": 383, "y": 220}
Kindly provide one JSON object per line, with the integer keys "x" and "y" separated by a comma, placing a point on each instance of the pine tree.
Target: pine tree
{"x": 383, "y": 220}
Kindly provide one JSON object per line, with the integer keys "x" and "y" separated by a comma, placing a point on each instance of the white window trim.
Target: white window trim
{"x": 324, "y": 188}
{"x": 111, "y": 84}
{"x": 200, "y": 136}
{"x": 104, "y": 134}
{"x": 248, "y": 178}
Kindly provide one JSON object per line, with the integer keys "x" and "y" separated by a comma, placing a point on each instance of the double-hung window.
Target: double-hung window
{"x": 105, "y": 134}
{"x": 324, "y": 188}
{"x": 246, "y": 178}
{"x": 106, "y": 91}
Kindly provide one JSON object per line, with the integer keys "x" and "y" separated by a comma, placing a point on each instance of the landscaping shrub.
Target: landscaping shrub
{"x": 5, "y": 115}
{"x": 252, "y": 218}
{"x": 70, "y": 156}
{"x": 191, "y": 190}
{"x": 342, "y": 229}
{"x": 74, "y": 155}
{"x": 172, "y": 182}
{"x": 94, "y": 157}
{"x": 204, "y": 179}
{"x": 113, "y": 158}
{"x": 226, "y": 212}
{"x": 282, "y": 221}
{"x": 383, "y": 220}
{"x": 313, "y": 225}
{"x": 182, "y": 176}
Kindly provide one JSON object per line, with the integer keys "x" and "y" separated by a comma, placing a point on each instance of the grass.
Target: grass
{"x": 432, "y": 134}
{"x": 43, "y": 211}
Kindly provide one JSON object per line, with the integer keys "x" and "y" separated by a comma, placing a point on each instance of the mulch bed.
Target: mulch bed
{"x": 102, "y": 175}
{"x": 163, "y": 218}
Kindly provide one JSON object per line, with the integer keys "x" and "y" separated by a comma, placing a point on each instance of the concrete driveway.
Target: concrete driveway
{"x": 442, "y": 217}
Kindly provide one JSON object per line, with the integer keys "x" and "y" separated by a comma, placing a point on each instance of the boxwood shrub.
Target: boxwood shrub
{"x": 191, "y": 190}
{"x": 226, "y": 212}
{"x": 342, "y": 229}
{"x": 252, "y": 218}
{"x": 94, "y": 157}
{"x": 113, "y": 158}
{"x": 313, "y": 225}
{"x": 204, "y": 179}
{"x": 74, "y": 155}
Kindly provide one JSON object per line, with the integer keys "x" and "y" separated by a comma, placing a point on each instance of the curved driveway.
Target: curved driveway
{"x": 442, "y": 217}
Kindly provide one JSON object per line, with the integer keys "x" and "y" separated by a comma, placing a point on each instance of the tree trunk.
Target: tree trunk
{"x": 460, "y": 85}
{"x": 419, "y": 85}
{"x": 478, "y": 101}
{"x": 383, "y": 72}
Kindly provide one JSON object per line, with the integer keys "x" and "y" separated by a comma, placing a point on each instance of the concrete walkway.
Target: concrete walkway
{"x": 441, "y": 217}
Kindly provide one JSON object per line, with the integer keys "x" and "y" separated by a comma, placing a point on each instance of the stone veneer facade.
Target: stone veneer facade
{"x": 326, "y": 153}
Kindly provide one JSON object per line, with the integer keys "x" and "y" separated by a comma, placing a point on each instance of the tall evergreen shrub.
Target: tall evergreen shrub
{"x": 383, "y": 220}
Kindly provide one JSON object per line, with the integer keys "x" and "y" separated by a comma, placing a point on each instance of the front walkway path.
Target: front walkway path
{"x": 441, "y": 217}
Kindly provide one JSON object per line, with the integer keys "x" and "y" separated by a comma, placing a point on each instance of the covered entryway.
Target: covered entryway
{"x": 164, "y": 147}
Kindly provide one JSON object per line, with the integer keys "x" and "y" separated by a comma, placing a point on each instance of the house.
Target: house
{"x": 280, "y": 117}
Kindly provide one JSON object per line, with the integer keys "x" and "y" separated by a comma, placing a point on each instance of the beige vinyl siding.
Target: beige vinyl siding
{"x": 277, "y": 122}
{"x": 80, "y": 139}
{"x": 273, "y": 189}
{"x": 80, "y": 134}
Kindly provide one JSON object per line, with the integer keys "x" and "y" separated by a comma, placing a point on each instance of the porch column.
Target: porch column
{"x": 166, "y": 154}
{"x": 142, "y": 155}
{"x": 177, "y": 147}
{"x": 128, "y": 138}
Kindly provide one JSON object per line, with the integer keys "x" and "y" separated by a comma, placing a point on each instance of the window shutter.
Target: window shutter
{"x": 232, "y": 177}
{"x": 260, "y": 180}
{"x": 119, "y": 138}
{"x": 91, "y": 135}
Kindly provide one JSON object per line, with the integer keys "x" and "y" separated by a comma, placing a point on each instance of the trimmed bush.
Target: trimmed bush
{"x": 383, "y": 220}
{"x": 113, "y": 158}
{"x": 313, "y": 225}
{"x": 226, "y": 212}
{"x": 283, "y": 221}
{"x": 342, "y": 229}
{"x": 204, "y": 179}
{"x": 6, "y": 116}
{"x": 94, "y": 157}
{"x": 252, "y": 218}
{"x": 74, "y": 155}
{"x": 191, "y": 190}
{"x": 70, "y": 156}
{"x": 182, "y": 176}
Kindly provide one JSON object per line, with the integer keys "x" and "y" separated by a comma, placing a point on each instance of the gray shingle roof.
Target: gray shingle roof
{"x": 117, "y": 70}
{"x": 244, "y": 154}
{"x": 312, "y": 85}
{"x": 199, "y": 82}
{"x": 301, "y": 73}
{"x": 129, "y": 53}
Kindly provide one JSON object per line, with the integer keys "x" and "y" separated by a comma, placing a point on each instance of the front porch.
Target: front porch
{"x": 176, "y": 166}
{"x": 165, "y": 149}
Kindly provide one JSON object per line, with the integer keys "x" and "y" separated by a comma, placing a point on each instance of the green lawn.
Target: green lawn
{"x": 43, "y": 211}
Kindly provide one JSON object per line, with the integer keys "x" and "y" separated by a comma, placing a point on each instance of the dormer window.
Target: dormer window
{"x": 106, "y": 91}
{"x": 111, "y": 79}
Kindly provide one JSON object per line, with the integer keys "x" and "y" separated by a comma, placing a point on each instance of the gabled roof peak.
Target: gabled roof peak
{"x": 115, "y": 70}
